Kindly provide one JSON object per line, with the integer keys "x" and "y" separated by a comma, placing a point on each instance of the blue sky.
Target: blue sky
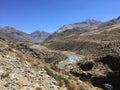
{"x": 49, "y": 15}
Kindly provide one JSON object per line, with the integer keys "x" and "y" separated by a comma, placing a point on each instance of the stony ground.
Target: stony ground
{"x": 20, "y": 69}
{"x": 16, "y": 75}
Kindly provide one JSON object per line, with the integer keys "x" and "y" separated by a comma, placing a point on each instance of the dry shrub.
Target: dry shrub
{"x": 20, "y": 56}
{"x": 72, "y": 86}
{"x": 61, "y": 83}
{"x": 38, "y": 88}
{"x": 5, "y": 74}
{"x": 20, "y": 83}
{"x": 49, "y": 72}
{"x": 81, "y": 87}
{"x": 54, "y": 67}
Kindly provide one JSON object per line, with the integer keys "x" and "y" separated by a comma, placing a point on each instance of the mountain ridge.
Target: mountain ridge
{"x": 89, "y": 26}
{"x": 12, "y": 34}
{"x": 81, "y": 25}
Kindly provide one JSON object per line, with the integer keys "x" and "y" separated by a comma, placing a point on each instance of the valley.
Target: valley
{"x": 79, "y": 56}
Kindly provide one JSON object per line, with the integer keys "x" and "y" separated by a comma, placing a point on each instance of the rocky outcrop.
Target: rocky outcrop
{"x": 87, "y": 66}
{"x": 103, "y": 73}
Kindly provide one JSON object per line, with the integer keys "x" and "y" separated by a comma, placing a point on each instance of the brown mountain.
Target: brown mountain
{"x": 75, "y": 29}
{"x": 11, "y": 34}
{"x": 84, "y": 39}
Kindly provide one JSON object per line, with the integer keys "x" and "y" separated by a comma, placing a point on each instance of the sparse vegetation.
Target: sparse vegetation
{"x": 61, "y": 80}
{"x": 81, "y": 47}
{"x": 54, "y": 67}
{"x": 49, "y": 72}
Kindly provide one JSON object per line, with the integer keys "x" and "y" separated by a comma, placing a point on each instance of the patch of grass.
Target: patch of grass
{"x": 54, "y": 67}
{"x": 61, "y": 80}
{"x": 61, "y": 83}
{"x": 49, "y": 72}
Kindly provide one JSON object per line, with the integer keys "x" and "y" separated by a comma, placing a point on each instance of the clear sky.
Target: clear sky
{"x": 49, "y": 15}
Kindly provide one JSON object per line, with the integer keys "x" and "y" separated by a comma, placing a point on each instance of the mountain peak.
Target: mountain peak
{"x": 91, "y": 22}
{"x": 81, "y": 25}
{"x": 40, "y": 34}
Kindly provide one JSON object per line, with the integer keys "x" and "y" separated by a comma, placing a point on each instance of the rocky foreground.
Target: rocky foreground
{"x": 23, "y": 68}
{"x": 16, "y": 75}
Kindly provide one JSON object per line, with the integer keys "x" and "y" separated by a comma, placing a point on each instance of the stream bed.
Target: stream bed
{"x": 70, "y": 60}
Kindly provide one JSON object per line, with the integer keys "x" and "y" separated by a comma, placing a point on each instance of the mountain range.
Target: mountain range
{"x": 80, "y": 37}
{"x": 11, "y": 34}
{"x": 90, "y": 26}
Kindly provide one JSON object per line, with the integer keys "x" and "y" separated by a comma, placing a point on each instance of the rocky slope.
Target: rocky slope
{"x": 24, "y": 68}
{"x": 76, "y": 28}
{"x": 104, "y": 71}
{"x": 20, "y": 71}
{"x": 21, "y": 76}
{"x": 88, "y": 27}
{"x": 85, "y": 40}
{"x": 101, "y": 51}
{"x": 89, "y": 23}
